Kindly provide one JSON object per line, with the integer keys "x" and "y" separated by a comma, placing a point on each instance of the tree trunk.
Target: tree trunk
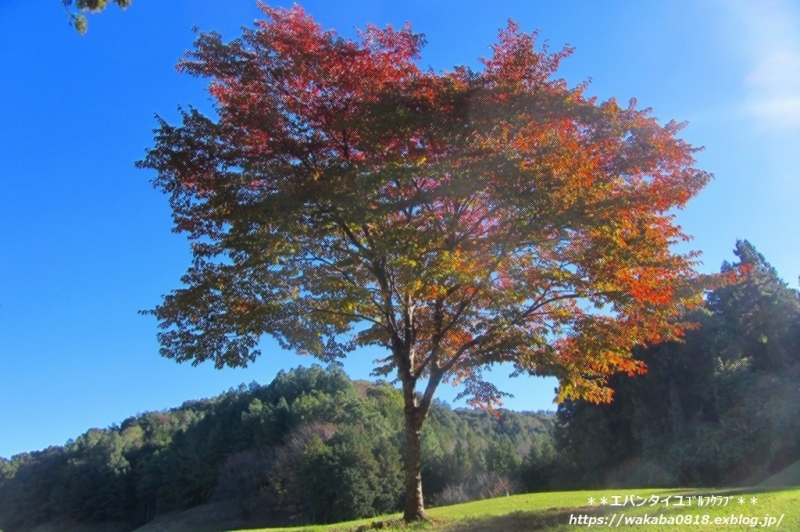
{"x": 414, "y": 508}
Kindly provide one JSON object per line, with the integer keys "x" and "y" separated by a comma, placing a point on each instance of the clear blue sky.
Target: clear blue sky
{"x": 85, "y": 241}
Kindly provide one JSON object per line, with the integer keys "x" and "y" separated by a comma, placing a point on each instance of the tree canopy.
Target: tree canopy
{"x": 343, "y": 197}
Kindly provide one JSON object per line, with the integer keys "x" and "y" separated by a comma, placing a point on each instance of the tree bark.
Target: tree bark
{"x": 414, "y": 508}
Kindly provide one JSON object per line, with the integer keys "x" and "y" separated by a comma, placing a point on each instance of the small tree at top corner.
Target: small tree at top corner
{"x": 343, "y": 197}
{"x": 78, "y": 20}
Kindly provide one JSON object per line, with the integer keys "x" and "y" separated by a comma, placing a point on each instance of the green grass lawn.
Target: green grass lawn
{"x": 553, "y": 511}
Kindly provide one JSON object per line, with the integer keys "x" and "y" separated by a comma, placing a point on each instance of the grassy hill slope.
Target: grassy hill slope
{"x": 553, "y": 511}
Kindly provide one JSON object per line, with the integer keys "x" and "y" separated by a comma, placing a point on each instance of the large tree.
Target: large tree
{"x": 342, "y": 197}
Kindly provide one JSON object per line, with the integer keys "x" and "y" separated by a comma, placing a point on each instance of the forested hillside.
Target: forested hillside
{"x": 311, "y": 443}
{"x": 723, "y": 408}
{"x": 313, "y": 446}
